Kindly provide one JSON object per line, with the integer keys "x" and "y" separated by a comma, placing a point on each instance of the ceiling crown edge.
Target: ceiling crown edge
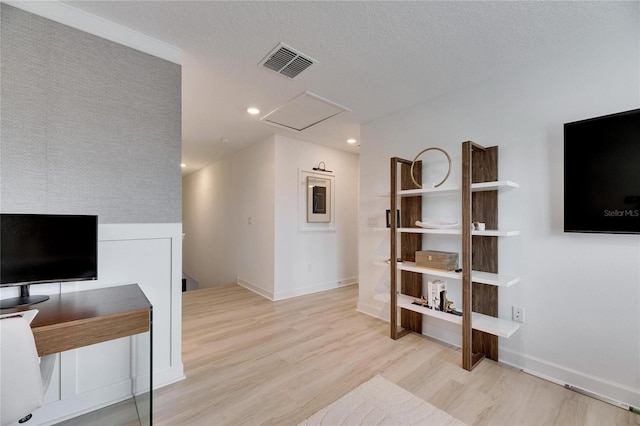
{"x": 92, "y": 24}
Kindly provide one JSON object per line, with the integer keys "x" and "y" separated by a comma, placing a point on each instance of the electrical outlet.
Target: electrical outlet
{"x": 372, "y": 221}
{"x": 517, "y": 313}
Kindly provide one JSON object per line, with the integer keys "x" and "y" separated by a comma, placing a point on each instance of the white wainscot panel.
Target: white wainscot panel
{"x": 147, "y": 263}
{"x": 102, "y": 364}
{"x": 89, "y": 378}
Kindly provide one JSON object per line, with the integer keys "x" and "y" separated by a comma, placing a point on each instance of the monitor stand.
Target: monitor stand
{"x": 24, "y": 299}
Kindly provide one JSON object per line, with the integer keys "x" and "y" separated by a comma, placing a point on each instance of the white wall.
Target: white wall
{"x": 251, "y": 229}
{"x": 220, "y": 244}
{"x": 311, "y": 261}
{"x": 581, "y": 293}
{"x": 241, "y": 222}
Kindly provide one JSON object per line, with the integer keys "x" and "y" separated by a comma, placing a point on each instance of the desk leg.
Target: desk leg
{"x": 144, "y": 401}
{"x": 150, "y": 365}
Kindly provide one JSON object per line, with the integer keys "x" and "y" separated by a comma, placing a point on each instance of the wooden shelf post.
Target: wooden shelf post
{"x": 479, "y": 253}
{"x": 410, "y": 212}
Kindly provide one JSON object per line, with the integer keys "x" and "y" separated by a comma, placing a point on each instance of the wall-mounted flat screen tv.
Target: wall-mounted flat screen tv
{"x": 602, "y": 174}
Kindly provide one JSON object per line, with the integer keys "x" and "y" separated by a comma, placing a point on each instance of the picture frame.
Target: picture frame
{"x": 303, "y": 202}
{"x": 318, "y": 199}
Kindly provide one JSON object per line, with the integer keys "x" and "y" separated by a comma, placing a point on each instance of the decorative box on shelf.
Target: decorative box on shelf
{"x": 445, "y": 260}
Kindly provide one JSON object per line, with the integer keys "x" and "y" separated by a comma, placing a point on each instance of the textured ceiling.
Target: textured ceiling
{"x": 374, "y": 58}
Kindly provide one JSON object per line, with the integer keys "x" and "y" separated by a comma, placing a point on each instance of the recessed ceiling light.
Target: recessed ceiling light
{"x": 352, "y": 141}
{"x": 183, "y": 165}
{"x": 253, "y": 110}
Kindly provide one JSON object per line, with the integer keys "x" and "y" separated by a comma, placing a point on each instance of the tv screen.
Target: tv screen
{"x": 37, "y": 248}
{"x": 602, "y": 174}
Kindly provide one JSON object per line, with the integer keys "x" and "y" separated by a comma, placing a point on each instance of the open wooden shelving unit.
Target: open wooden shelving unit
{"x": 480, "y": 279}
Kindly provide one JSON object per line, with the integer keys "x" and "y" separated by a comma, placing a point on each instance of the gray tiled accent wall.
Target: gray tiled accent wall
{"x": 87, "y": 126}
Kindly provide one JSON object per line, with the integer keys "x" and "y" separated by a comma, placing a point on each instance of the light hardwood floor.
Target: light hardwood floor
{"x": 249, "y": 361}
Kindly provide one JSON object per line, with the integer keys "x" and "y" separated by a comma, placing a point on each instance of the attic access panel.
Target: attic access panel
{"x": 302, "y": 112}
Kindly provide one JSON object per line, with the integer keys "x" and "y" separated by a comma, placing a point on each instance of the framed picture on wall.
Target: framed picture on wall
{"x": 318, "y": 200}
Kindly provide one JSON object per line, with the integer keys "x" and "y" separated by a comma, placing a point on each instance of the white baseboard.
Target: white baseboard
{"x": 161, "y": 378}
{"x": 540, "y": 368}
{"x": 87, "y": 402}
{"x": 317, "y": 288}
{"x": 562, "y": 375}
{"x": 254, "y": 288}
{"x": 166, "y": 376}
{"x": 55, "y": 412}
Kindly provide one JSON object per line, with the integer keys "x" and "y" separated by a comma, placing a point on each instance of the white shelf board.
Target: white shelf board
{"x": 496, "y": 233}
{"x": 411, "y": 267}
{"x": 493, "y": 325}
{"x": 499, "y": 280}
{"x": 406, "y": 303}
{"x": 456, "y": 231}
{"x": 476, "y": 276}
{"x": 424, "y": 191}
{"x": 448, "y": 231}
{"x": 480, "y": 322}
{"x": 493, "y": 186}
{"x": 482, "y": 186}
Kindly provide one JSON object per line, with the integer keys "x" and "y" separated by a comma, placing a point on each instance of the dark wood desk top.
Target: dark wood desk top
{"x": 73, "y": 320}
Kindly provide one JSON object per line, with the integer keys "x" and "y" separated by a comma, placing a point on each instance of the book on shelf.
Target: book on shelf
{"x": 434, "y": 293}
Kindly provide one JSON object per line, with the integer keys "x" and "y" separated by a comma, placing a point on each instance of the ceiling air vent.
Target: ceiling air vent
{"x": 287, "y": 61}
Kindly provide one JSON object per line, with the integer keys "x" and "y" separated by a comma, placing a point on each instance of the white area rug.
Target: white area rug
{"x": 380, "y": 402}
